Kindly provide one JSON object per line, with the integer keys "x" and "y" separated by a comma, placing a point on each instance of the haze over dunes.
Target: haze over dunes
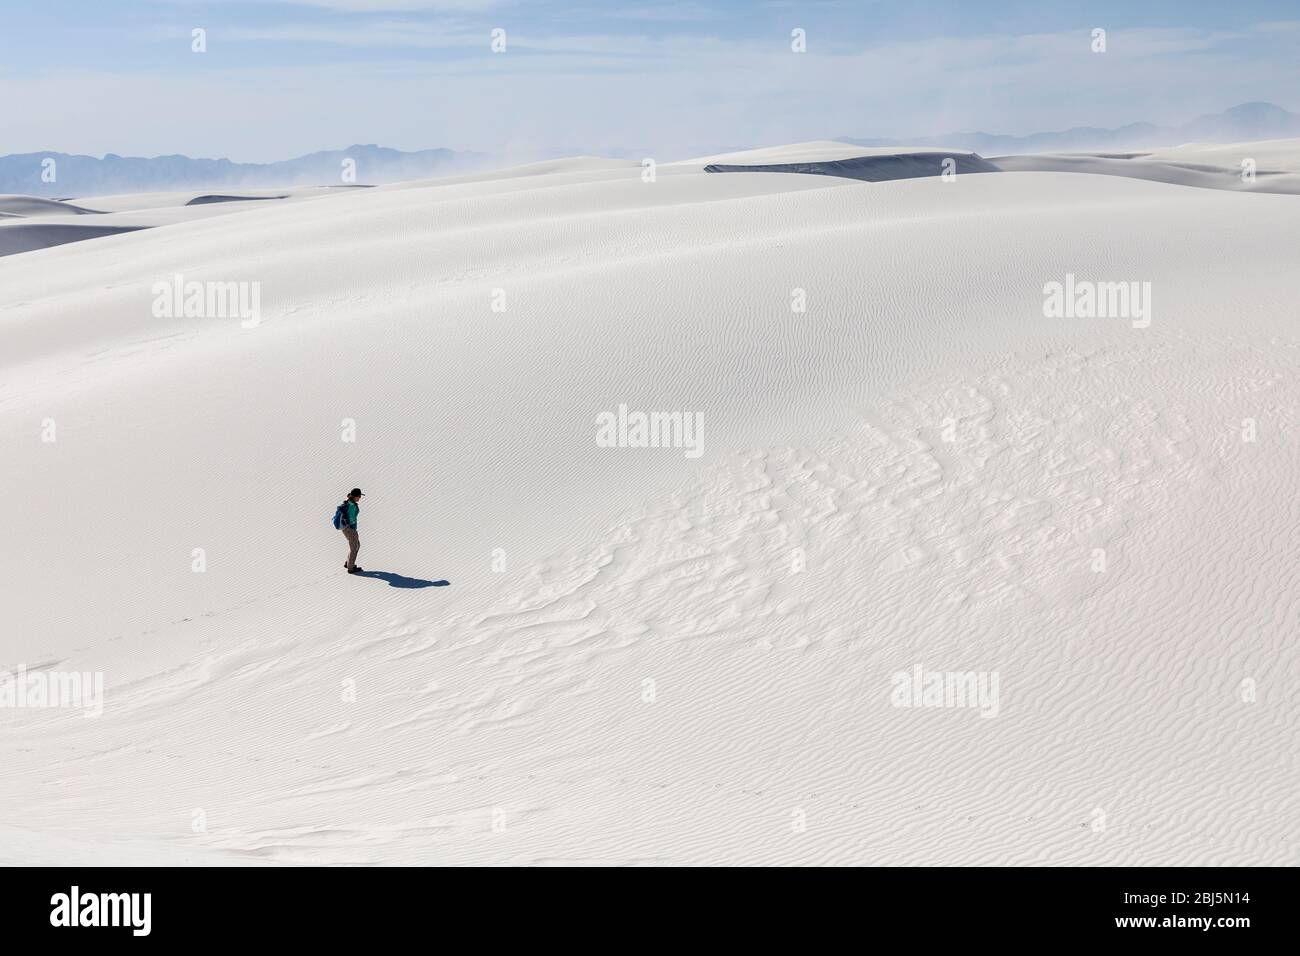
{"x": 74, "y": 175}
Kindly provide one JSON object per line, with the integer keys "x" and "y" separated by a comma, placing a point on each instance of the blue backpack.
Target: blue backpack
{"x": 338, "y": 516}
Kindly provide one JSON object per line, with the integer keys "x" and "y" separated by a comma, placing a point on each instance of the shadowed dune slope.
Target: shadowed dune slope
{"x": 29, "y": 236}
{"x": 873, "y": 169}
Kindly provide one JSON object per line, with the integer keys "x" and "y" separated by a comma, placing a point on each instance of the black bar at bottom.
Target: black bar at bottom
{"x": 334, "y": 907}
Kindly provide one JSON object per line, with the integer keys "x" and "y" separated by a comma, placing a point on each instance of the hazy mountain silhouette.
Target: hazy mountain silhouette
{"x": 89, "y": 176}
{"x": 1245, "y": 122}
{"x": 80, "y": 176}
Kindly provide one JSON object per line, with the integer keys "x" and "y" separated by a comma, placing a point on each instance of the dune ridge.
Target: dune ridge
{"x": 874, "y": 169}
{"x": 823, "y": 158}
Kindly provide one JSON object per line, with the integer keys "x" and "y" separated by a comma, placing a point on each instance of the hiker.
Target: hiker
{"x": 345, "y": 519}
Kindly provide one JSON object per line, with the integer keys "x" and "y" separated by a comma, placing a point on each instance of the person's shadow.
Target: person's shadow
{"x": 401, "y": 581}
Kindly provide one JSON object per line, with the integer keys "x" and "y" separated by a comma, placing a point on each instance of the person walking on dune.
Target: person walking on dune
{"x": 345, "y": 519}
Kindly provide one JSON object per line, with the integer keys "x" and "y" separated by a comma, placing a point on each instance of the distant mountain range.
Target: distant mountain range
{"x": 1245, "y": 122}
{"x": 81, "y": 176}
{"x": 77, "y": 176}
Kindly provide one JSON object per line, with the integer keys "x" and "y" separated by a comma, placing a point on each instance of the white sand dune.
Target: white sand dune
{"x": 11, "y": 205}
{"x": 1216, "y": 167}
{"x": 874, "y": 169}
{"x": 135, "y": 202}
{"x": 209, "y": 198}
{"x": 36, "y": 223}
{"x": 30, "y": 236}
{"x": 1277, "y": 155}
{"x": 640, "y": 656}
{"x": 1167, "y": 168}
{"x": 815, "y": 151}
{"x": 1277, "y": 169}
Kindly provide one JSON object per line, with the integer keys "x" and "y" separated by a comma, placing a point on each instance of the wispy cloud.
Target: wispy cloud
{"x": 385, "y": 6}
{"x": 375, "y": 33}
{"x": 303, "y": 79}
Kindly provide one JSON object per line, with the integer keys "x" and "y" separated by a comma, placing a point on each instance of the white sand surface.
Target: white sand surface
{"x": 640, "y": 656}
{"x": 28, "y": 223}
{"x": 1279, "y": 155}
{"x": 1274, "y": 165}
{"x": 817, "y": 151}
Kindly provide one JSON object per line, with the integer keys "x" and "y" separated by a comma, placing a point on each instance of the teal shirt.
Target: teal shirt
{"x": 352, "y": 513}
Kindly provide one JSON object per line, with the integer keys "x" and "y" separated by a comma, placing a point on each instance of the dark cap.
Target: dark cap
{"x": 356, "y": 493}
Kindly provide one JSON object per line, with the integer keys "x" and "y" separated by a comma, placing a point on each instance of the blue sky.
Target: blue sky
{"x": 663, "y": 79}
